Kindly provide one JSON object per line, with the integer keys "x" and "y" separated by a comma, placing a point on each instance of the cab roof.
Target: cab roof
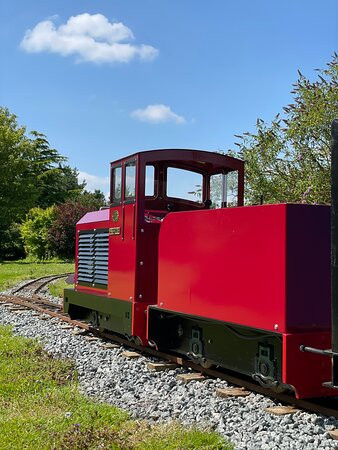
{"x": 201, "y": 160}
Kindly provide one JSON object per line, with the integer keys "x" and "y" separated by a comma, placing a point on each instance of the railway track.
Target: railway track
{"x": 38, "y": 283}
{"x": 324, "y": 406}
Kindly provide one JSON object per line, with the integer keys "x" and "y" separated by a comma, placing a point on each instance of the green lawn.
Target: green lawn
{"x": 12, "y": 272}
{"x": 41, "y": 408}
{"x": 57, "y": 288}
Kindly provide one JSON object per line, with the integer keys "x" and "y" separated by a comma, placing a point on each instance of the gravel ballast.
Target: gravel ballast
{"x": 158, "y": 396}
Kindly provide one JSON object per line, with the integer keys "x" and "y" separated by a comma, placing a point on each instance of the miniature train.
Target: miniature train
{"x": 178, "y": 263}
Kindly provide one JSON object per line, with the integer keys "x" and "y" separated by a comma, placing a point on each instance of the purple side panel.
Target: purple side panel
{"x": 308, "y": 267}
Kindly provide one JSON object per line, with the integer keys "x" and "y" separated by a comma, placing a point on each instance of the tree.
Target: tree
{"x": 18, "y": 189}
{"x": 93, "y": 200}
{"x": 11, "y": 242}
{"x": 33, "y": 174}
{"x": 56, "y": 182}
{"x": 59, "y": 185}
{"x": 289, "y": 159}
{"x": 62, "y": 233}
{"x": 34, "y": 232}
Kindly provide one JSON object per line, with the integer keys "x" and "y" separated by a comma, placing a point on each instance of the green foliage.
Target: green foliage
{"x": 61, "y": 236}
{"x": 41, "y": 408}
{"x": 18, "y": 189}
{"x": 62, "y": 232}
{"x": 33, "y": 174}
{"x": 93, "y": 200}
{"x": 289, "y": 159}
{"x": 56, "y": 289}
{"x": 34, "y": 232}
{"x": 58, "y": 186}
{"x": 11, "y": 242}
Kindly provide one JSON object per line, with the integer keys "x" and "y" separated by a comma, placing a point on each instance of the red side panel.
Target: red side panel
{"x": 139, "y": 324}
{"x": 264, "y": 267}
{"x": 304, "y": 371}
{"x": 122, "y": 253}
{"x": 225, "y": 264}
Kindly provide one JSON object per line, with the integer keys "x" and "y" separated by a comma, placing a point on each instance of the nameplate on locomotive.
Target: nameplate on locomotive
{"x": 115, "y": 231}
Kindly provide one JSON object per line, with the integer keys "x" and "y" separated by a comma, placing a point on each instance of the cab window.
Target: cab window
{"x": 130, "y": 181}
{"x": 184, "y": 184}
{"x": 232, "y": 191}
{"x": 224, "y": 188}
{"x": 150, "y": 181}
{"x": 116, "y": 191}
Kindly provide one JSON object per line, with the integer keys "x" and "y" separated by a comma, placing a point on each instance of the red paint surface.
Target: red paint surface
{"x": 306, "y": 372}
{"x": 122, "y": 255}
{"x": 234, "y": 265}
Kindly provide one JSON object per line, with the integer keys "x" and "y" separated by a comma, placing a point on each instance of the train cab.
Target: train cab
{"x": 116, "y": 273}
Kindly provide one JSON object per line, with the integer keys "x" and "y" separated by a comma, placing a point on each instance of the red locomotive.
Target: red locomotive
{"x": 178, "y": 263}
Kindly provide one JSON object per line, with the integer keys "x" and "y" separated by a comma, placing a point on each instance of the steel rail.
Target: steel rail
{"x": 47, "y": 278}
{"x": 324, "y": 406}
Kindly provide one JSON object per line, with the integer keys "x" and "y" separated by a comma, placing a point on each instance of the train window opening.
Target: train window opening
{"x": 184, "y": 184}
{"x": 232, "y": 189}
{"x": 224, "y": 190}
{"x": 216, "y": 190}
{"x": 116, "y": 191}
{"x": 130, "y": 181}
{"x": 150, "y": 181}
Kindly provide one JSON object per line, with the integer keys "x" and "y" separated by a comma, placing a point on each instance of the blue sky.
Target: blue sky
{"x": 106, "y": 78}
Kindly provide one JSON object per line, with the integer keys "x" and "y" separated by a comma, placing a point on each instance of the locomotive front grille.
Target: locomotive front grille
{"x": 93, "y": 257}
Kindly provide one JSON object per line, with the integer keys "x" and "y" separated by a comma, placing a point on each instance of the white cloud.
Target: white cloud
{"x": 157, "y": 114}
{"x": 93, "y": 181}
{"x": 89, "y": 37}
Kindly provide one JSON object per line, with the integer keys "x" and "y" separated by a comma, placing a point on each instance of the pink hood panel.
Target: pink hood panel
{"x": 95, "y": 216}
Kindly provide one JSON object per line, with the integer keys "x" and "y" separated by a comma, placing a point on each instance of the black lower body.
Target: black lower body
{"x": 102, "y": 312}
{"x": 252, "y": 352}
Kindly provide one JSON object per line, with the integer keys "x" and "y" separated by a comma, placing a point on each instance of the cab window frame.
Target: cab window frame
{"x": 180, "y": 199}
{"x": 114, "y": 201}
{"x": 227, "y": 173}
{"x": 155, "y": 181}
{"x": 129, "y": 163}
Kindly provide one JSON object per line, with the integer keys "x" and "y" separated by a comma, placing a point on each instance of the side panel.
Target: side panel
{"x": 122, "y": 252}
{"x": 308, "y": 267}
{"x": 225, "y": 264}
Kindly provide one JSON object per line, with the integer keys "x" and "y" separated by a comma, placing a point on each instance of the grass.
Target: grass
{"x": 12, "y": 272}
{"x": 41, "y": 408}
{"x": 57, "y": 288}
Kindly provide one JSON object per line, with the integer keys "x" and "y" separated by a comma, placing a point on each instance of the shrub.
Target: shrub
{"x": 34, "y": 232}
{"x": 61, "y": 235}
{"x": 11, "y": 247}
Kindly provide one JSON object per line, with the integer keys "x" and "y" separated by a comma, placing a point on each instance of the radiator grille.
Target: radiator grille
{"x": 93, "y": 257}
